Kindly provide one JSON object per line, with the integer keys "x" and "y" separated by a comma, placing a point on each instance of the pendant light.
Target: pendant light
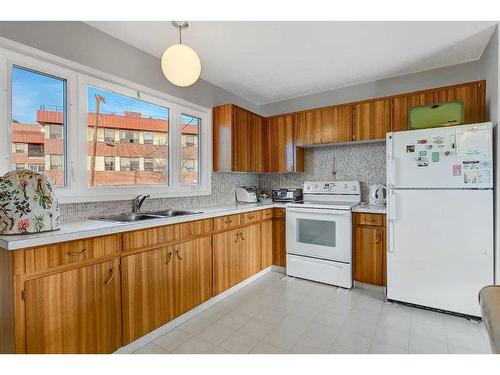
{"x": 180, "y": 63}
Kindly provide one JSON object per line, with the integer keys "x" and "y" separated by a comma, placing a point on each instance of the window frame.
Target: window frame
{"x": 78, "y": 77}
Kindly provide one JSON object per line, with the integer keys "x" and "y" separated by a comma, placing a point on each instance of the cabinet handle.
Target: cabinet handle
{"x": 241, "y": 234}
{"x": 237, "y": 237}
{"x": 251, "y": 217}
{"x": 178, "y": 256}
{"x": 76, "y": 253}
{"x": 282, "y": 229}
{"x": 111, "y": 276}
{"x": 228, "y": 221}
{"x": 378, "y": 238}
{"x": 267, "y": 213}
{"x": 169, "y": 258}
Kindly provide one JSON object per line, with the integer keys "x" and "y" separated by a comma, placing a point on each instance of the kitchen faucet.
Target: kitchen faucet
{"x": 138, "y": 201}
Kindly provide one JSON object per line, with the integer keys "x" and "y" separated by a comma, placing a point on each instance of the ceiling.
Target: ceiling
{"x": 266, "y": 62}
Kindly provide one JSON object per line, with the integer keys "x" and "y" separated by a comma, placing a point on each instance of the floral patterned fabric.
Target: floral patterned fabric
{"x": 27, "y": 203}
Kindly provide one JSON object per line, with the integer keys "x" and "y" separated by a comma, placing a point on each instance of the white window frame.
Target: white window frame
{"x": 78, "y": 78}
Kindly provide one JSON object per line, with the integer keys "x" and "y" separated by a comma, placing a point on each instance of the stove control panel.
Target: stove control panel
{"x": 332, "y": 187}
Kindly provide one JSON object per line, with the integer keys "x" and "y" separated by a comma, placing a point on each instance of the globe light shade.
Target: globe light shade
{"x": 181, "y": 65}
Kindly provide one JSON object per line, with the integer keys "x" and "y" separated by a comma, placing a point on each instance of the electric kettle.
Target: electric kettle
{"x": 378, "y": 195}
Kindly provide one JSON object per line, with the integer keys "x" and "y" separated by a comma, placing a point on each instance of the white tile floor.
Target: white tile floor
{"x": 277, "y": 314}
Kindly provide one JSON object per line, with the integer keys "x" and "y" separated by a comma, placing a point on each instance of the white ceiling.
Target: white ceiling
{"x": 266, "y": 62}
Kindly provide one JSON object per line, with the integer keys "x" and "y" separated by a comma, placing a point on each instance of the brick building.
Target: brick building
{"x": 131, "y": 148}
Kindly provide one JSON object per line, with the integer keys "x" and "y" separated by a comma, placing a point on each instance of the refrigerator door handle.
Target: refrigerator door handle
{"x": 391, "y": 162}
{"x": 392, "y": 218}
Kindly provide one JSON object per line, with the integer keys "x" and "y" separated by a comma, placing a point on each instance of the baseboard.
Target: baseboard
{"x": 153, "y": 335}
{"x": 279, "y": 269}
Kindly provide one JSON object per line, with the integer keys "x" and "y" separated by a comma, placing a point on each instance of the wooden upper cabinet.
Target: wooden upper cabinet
{"x": 238, "y": 140}
{"x": 281, "y": 154}
{"x": 326, "y": 125}
{"x": 76, "y": 311}
{"x": 473, "y": 96}
{"x": 403, "y": 104}
{"x": 372, "y": 119}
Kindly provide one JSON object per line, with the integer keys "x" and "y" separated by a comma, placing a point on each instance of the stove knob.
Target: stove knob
{"x": 345, "y": 186}
{"x": 316, "y": 186}
{"x": 308, "y": 187}
{"x": 354, "y": 188}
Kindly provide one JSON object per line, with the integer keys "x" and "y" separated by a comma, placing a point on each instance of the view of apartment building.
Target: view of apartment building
{"x": 131, "y": 148}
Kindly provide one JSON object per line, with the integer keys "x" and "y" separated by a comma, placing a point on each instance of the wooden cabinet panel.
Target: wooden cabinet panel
{"x": 48, "y": 257}
{"x": 222, "y": 120}
{"x": 267, "y": 214}
{"x": 250, "y": 217}
{"x": 148, "y": 237}
{"x": 308, "y": 128}
{"x": 147, "y": 298}
{"x": 76, "y": 311}
{"x": 249, "y": 251}
{"x": 241, "y": 146}
{"x": 372, "y": 119}
{"x": 257, "y": 143}
{"x": 360, "y": 218}
{"x": 369, "y": 254}
{"x": 192, "y": 282}
{"x": 281, "y": 153}
{"x": 193, "y": 228}
{"x": 279, "y": 242}
{"x": 336, "y": 124}
{"x": 266, "y": 230}
{"x": 229, "y": 221}
{"x": 473, "y": 96}
{"x": 403, "y": 104}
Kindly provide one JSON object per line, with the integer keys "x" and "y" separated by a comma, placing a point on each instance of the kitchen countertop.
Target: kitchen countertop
{"x": 92, "y": 228}
{"x": 370, "y": 209}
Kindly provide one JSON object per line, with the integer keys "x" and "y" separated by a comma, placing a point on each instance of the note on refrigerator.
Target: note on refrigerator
{"x": 473, "y": 144}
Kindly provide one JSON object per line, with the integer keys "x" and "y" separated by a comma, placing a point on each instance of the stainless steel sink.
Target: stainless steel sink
{"x": 138, "y": 216}
{"x": 170, "y": 213}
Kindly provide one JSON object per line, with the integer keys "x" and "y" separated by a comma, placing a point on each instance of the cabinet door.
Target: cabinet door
{"x": 280, "y": 149}
{"x": 336, "y": 124}
{"x": 147, "y": 297}
{"x": 241, "y": 146}
{"x": 473, "y": 96}
{"x": 279, "y": 242}
{"x": 226, "y": 256}
{"x": 372, "y": 119}
{"x": 266, "y": 229}
{"x": 308, "y": 128}
{"x": 369, "y": 255}
{"x": 257, "y": 143}
{"x": 192, "y": 282}
{"x": 403, "y": 104}
{"x": 76, "y": 311}
{"x": 249, "y": 256}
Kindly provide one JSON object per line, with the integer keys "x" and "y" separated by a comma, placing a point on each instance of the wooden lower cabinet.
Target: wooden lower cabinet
{"x": 369, "y": 251}
{"x": 266, "y": 254}
{"x": 279, "y": 241}
{"x": 76, "y": 311}
{"x": 161, "y": 284}
{"x": 237, "y": 256}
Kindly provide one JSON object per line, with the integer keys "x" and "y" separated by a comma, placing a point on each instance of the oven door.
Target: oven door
{"x": 319, "y": 233}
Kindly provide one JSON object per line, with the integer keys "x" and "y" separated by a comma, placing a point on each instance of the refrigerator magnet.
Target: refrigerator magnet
{"x": 438, "y": 140}
{"x": 428, "y": 147}
{"x": 435, "y": 157}
{"x": 423, "y": 153}
{"x": 422, "y": 141}
{"x": 457, "y": 170}
{"x": 410, "y": 148}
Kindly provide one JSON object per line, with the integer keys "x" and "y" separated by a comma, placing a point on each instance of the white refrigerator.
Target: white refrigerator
{"x": 440, "y": 249}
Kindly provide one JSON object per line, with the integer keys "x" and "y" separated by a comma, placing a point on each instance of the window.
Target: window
{"x": 190, "y": 151}
{"x": 109, "y": 163}
{"x": 138, "y": 120}
{"x": 38, "y": 104}
{"x": 35, "y": 150}
{"x": 37, "y": 168}
{"x": 109, "y": 135}
{"x": 148, "y": 138}
{"x": 56, "y": 131}
{"x": 20, "y": 166}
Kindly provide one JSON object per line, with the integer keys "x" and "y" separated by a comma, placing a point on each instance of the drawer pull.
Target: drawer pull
{"x": 178, "y": 256}
{"x": 169, "y": 258}
{"x": 268, "y": 213}
{"x": 228, "y": 221}
{"x": 111, "y": 276}
{"x": 76, "y": 253}
{"x": 251, "y": 217}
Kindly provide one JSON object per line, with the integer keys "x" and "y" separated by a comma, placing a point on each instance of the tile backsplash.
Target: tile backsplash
{"x": 223, "y": 193}
{"x": 364, "y": 162}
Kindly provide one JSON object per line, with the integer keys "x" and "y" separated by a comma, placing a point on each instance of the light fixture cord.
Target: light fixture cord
{"x": 180, "y": 35}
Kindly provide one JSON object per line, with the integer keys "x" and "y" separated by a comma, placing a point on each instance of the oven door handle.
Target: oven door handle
{"x": 325, "y": 211}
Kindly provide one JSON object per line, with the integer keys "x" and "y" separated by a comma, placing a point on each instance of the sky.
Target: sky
{"x": 31, "y": 90}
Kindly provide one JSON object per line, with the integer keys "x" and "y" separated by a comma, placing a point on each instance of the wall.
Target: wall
{"x": 363, "y": 162}
{"x": 223, "y": 194}
{"x": 489, "y": 70}
{"x": 83, "y": 44}
{"x": 413, "y": 82}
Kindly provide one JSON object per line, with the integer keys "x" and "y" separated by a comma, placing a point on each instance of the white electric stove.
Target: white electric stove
{"x": 319, "y": 232}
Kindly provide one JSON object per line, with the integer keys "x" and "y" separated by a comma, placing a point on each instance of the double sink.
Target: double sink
{"x": 139, "y": 216}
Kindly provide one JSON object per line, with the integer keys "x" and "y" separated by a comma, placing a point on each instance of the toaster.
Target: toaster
{"x": 246, "y": 194}
{"x": 287, "y": 195}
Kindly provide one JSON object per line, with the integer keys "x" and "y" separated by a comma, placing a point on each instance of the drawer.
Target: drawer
{"x": 148, "y": 237}
{"x": 278, "y": 212}
{"x": 228, "y": 221}
{"x": 267, "y": 214}
{"x": 369, "y": 219}
{"x": 193, "y": 228}
{"x": 250, "y": 217}
{"x": 64, "y": 253}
